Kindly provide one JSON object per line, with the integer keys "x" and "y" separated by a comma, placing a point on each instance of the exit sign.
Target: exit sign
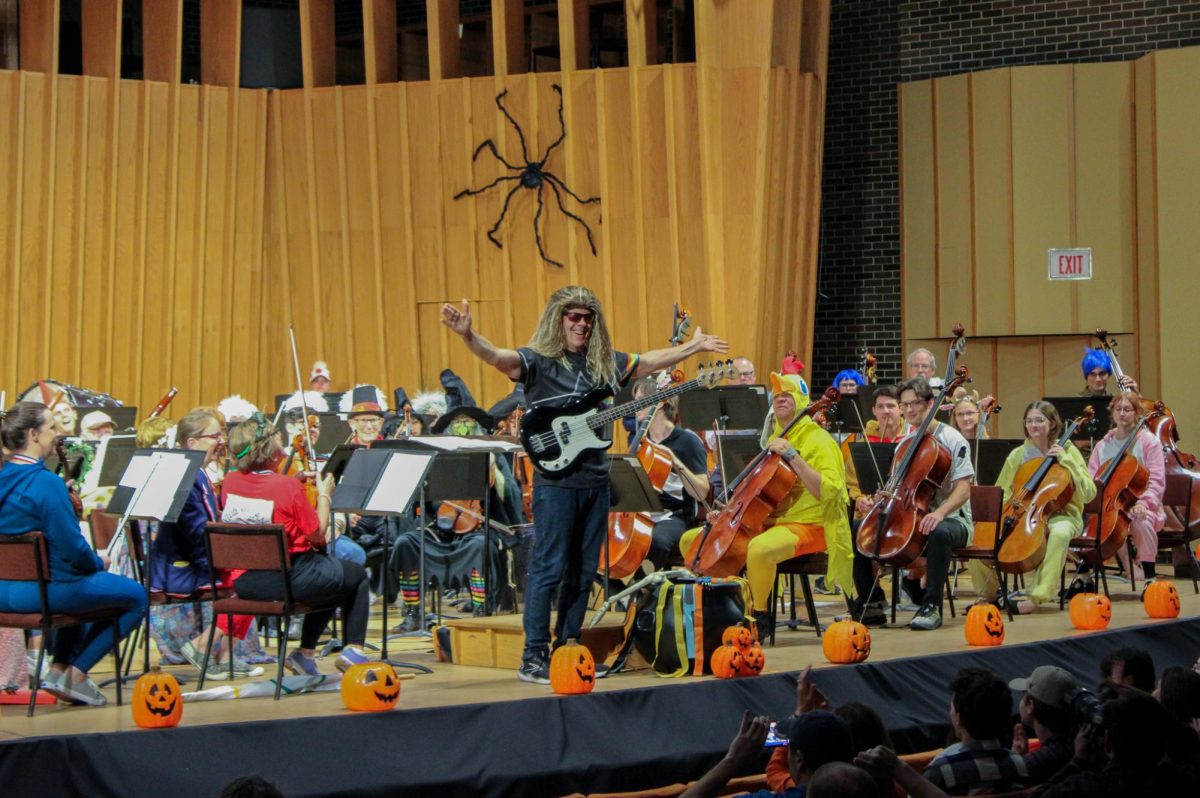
{"x": 1071, "y": 264}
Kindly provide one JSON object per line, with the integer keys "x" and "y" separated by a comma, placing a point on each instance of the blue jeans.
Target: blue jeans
{"x": 346, "y": 549}
{"x": 82, "y": 646}
{"x": 569, "y": 530}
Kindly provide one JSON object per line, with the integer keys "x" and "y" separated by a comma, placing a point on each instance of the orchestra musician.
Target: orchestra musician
{"x": 34, "y": 499}
{"x": 256, "y": 493}
{"x": 1147, "y": 516}
{"x": 319, "y": 378}
{"x": 965, "y": 414}
{"x": 847, "y": 382}
{"x": 366, "y": 406}
{"x": 887, "y": 426}
{"x": 947, "y": 525}
{"x": 744, "y": 372}
{"x": 96, "y": 426}
{"x": 688, "y": 480}
{"x": 1097, "y": 368}
{"x": 816, "y": 520}
{"x": 1043, "y": 427}
{"x": 922, "y": 363}
{"x": 571, "y": 353}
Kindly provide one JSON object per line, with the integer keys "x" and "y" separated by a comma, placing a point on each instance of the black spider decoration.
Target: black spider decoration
{"x": 531, "y": 176}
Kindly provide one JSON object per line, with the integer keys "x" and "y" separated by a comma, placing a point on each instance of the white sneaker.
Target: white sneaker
{"x": 32, "y": 658}
{"x": 85, "y": 692}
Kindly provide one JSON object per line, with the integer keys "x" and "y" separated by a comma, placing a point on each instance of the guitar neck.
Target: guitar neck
{"x": 620, "y": 411}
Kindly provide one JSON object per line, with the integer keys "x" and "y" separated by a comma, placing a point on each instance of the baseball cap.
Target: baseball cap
{"x": 1049, "y": 684}
{"x": 96, "y": 418}
{"x": 821, "y": 736}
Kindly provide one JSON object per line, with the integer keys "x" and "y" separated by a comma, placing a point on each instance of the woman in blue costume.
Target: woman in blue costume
{"x": 32, "y": 498}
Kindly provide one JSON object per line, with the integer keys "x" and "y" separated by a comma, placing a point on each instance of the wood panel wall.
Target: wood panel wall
{"x": 999, "y": 166}
{"x": 168, "y": 234}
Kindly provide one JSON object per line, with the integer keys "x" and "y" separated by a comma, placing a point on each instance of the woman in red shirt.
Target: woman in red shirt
{"x": 255, "y": 493}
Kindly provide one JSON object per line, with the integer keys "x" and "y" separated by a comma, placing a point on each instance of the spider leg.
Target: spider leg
{"x": 513, "y": 122}
{"x": 556, "y": 179}
{"x": 491, "y": 234}
{"x": 538, "y": 235}
{"x": 562, "y": 125}
{"x": 489, "y": 145}
{"x": 470, "y": 192}
{"x": 561, "y": 207}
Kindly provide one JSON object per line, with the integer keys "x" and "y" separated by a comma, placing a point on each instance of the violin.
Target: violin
{"x": 763, "y": 489}
{"x": 162, "y": 403}
{"x": 298, "y": 462}
{"x": 867, "y": 367}
{"x": 890, "y": 532}
{"x": 64, "y": 470}
{"x": 1045, "y": 488}
{"x": 1121, "y": 482}
{"x": 461, "y": 516}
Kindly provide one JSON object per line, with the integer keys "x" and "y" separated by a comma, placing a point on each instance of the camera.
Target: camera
{"x": 1086, "y": 705}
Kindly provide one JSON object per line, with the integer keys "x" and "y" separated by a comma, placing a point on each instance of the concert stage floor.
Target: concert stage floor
{"x": 479, "y": 730}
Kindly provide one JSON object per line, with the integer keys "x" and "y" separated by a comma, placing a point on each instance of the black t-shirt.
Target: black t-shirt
{"x": 688, "y": 447}
{"x": 550, "y": 383}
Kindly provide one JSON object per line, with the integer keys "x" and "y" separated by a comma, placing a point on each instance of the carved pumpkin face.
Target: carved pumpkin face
{"x": 727, "y": 661}
{"x": 753, "y": 660}
{"x": 370, "y": 687}
{"x": 738, "y": 636}
{"x": 846, "y": 642}
{"x": 1161, "y": 600}
{"x": 157, "y": 701}
{"x": 985, "y": 626}
{"x": 572, "y": 669}
{"x": 1090, "y": 611}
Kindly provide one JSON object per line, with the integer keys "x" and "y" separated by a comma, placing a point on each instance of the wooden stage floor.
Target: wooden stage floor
{"x": 451, "y": 684}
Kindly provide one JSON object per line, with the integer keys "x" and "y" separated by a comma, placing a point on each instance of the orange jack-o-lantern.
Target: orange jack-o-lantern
{"x": 370, "y": 687}
{"x": 572, "y": 669}
{"x": 753, "y": 660}
{"x": 1161, "y": 600}
{"x": 985, "y": 625}
{"x": 727, "y": 661}
{"x": 157, "y": 700}
{"x": 1090, "y": 611}
{"x": 845, "y": 642}
{"x": 738, "y": 636}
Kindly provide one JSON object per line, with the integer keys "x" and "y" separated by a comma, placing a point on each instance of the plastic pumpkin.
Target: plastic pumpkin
{"x": 738, "y": 636}
{"x": 1090, "y": 611}
{"x": 845, "y": 642}
{"x": 1161, "y": 600}
{"x": 572, "y": 669}
{"x": 727, "y": 661}
{"x": 157, "y": 700}
{"x": 753, "y": 660}
{"x": 370, "y": 687}
{"x": 985, "y": 626}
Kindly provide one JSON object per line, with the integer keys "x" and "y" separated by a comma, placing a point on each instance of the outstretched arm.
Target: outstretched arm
{"x": 659, "y": 359}
{"x": 507, "y": 361}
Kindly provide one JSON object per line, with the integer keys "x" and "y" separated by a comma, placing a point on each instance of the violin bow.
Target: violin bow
{"x": 863, "y": 425}
{"x": 309, "y": 464}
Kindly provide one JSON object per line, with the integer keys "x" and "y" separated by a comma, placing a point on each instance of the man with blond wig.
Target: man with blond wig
{"x": 570, "y": 354}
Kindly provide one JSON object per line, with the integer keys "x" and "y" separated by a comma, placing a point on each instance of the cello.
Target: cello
{"x": 760, "y": 491}
{"x": 1120, "y": 484}
{"x": 1046, "y": 488}
{"x": 889, "y": 532}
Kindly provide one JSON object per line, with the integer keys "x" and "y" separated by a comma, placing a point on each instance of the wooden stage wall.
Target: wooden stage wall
{"x": 154, "y": 233}
{"x": 999, "y": 166}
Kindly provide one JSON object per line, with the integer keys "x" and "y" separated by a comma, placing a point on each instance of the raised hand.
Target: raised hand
{"x": 708, "y": 343}
{"x": 457, "y": 319}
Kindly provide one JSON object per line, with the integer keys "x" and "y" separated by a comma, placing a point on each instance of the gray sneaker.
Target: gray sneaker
{"x": 927, "y": 618}
{"x": 535, "y": 670}
{"x": 55, "y": 683}
{"x": 219, "y": 672}
{"x": 85, "y": 692}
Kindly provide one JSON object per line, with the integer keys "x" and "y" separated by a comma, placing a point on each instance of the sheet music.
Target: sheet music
{"x": 400, "y": 480}
{"x": 452, "y": 443}
{"x": 161, "y": 474}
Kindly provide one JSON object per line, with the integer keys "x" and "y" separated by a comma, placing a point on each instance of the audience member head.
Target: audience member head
{"x": 866, "y": 727}
{"x": 1179, "y": 691}
{"x": 1135, "y": 730}
{"x": 842, "y": 780}
{"x": 814, "y": 739}
{"x": 250, "y": 787}
{"x": 1046, "y": 699}
{"x": 980, "y": 704}
{"x": 1132, "y": 667}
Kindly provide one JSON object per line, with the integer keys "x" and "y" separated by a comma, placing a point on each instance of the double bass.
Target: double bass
{"x": 890, "y": 532}
{"x": 1045, "y": 488}
{"x": 759, "y": 492}
{"x": 1120, "y": 483}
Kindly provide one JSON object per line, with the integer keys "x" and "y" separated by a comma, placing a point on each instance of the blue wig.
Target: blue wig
{"x": 1095, "y": 359}
{"x": 848, "y": 374}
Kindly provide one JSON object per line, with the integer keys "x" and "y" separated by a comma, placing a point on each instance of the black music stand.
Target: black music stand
{"x": 456, "y": 475}
{"x": 866, "y": 456}
{"x": 990, "y": 457}
{"x": 847, "y": 419}
{"x": 629, "y": 491}
{"x": 735, "y": 450}
{"x": 383, "y": 482}
{"x": 154, "y": 486}
{"x": 1070, "y": 407}
{"x": 118, "y": 451}
{"x": 732, "y": 406}
{"x": 339, "y": 458}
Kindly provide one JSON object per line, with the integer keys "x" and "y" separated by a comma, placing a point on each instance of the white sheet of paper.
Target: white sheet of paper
{"x": 453, "y": 443}
{"x": 165, "y": 473}
{"x": 401, "y": 478}
{"x": 136, "y": 472}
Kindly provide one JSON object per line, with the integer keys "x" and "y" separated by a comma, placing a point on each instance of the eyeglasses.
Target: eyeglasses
{"x": 967, "y": 413}
{"x": 914, "y": 403}
{"x": 575, "y": 317}
{"x": 369, "y": 420}
{"x": 745, "y": 373}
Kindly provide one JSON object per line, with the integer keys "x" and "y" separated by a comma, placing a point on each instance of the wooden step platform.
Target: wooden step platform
{"x": 498, "y": 640}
